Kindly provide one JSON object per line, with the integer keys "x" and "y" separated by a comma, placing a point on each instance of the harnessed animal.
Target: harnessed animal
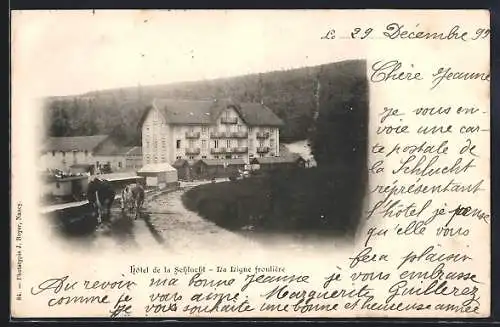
{"x": 132, "y": 198}
{"x": 101, "y": 195}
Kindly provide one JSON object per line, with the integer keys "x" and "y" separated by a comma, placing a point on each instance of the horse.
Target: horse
{"x": 101, "y": 195}
{"x": 133, "y": 198}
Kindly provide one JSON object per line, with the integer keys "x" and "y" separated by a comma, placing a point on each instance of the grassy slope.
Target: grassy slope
{"x": 286, "y": 201}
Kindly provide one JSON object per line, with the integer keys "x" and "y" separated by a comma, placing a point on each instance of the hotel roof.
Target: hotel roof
{"x": 205, "y": 112}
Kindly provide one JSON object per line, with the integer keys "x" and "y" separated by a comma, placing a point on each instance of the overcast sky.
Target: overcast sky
{"x": 71, "y": 52}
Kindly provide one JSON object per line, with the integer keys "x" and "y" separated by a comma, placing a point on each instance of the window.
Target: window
{"x": 250, "y": 129}
{"x": 204, "y": 130}
{"x": 191, "y": 157}
{"x": 261, "y": 143}
{"x": 178, "y": 144}
{"x": 191, "y": 143}
{"x": 164, "y": 143}
{"x": 216, "y": 157}
{"x": 63, "y": 153}
{"x": 86, "y": 153}
{"x": 58, "y": 185}
{"x": 156, "y": 159}
{"x": 228, "y": 143}
{"x": 272, "y": 142}
{"x": 119, "y": 164}
{"x": 240, "y": 128}
{"x": 53, "y": 153}
{"x": 204, "y": 144}
{"x": 178, "y": 157}
{"x": 240, "y": 143}
{"x": 216, "y": 144}
{"x": 163, "y": 159}
{"x": 203, "y": 157}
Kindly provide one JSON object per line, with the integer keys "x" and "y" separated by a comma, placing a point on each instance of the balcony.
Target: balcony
{"x": 240, "y": 149}
{"x": 262, "y": 135}
{"x": 192, "y": 151}
{"x": 229, "y": 120}
{"x": 192, "y": 135}
{"x": 220, "y": 135}
{"x": 218, "y": 150}
{"x": 239, "y": 135}
{"x": 263, "y": 149}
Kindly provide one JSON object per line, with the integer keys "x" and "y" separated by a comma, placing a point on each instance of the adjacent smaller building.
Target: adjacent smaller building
{"x": 217, "y": 168}
{"x": 63, "y": 152}
{"x": 285, "y": 161}
{"x": 117, "y": 159}
{"x": 89, "y": 154}
{"x": 160, "y": 175}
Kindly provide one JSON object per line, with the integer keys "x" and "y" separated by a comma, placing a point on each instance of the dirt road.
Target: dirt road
{"x": 166, "y": 224}
{"x": 175, "y": 227}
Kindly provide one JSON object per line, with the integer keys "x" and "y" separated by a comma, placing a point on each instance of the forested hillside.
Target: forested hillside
{"x": 291, "y": 94}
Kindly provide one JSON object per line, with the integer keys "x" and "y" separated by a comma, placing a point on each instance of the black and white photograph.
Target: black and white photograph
{"x": 277, "y": 154}
{"x": 250, "y": 164}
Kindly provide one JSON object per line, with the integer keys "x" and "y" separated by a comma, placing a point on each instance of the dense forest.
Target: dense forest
{"x": 296, "y": 96}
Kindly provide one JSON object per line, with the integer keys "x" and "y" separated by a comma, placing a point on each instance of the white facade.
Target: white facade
{"x": 228, "y": 138}
{"x": 63, "y": 160}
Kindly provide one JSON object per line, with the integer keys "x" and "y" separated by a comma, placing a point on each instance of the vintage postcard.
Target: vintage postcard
{"x": 250, "y": 163}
